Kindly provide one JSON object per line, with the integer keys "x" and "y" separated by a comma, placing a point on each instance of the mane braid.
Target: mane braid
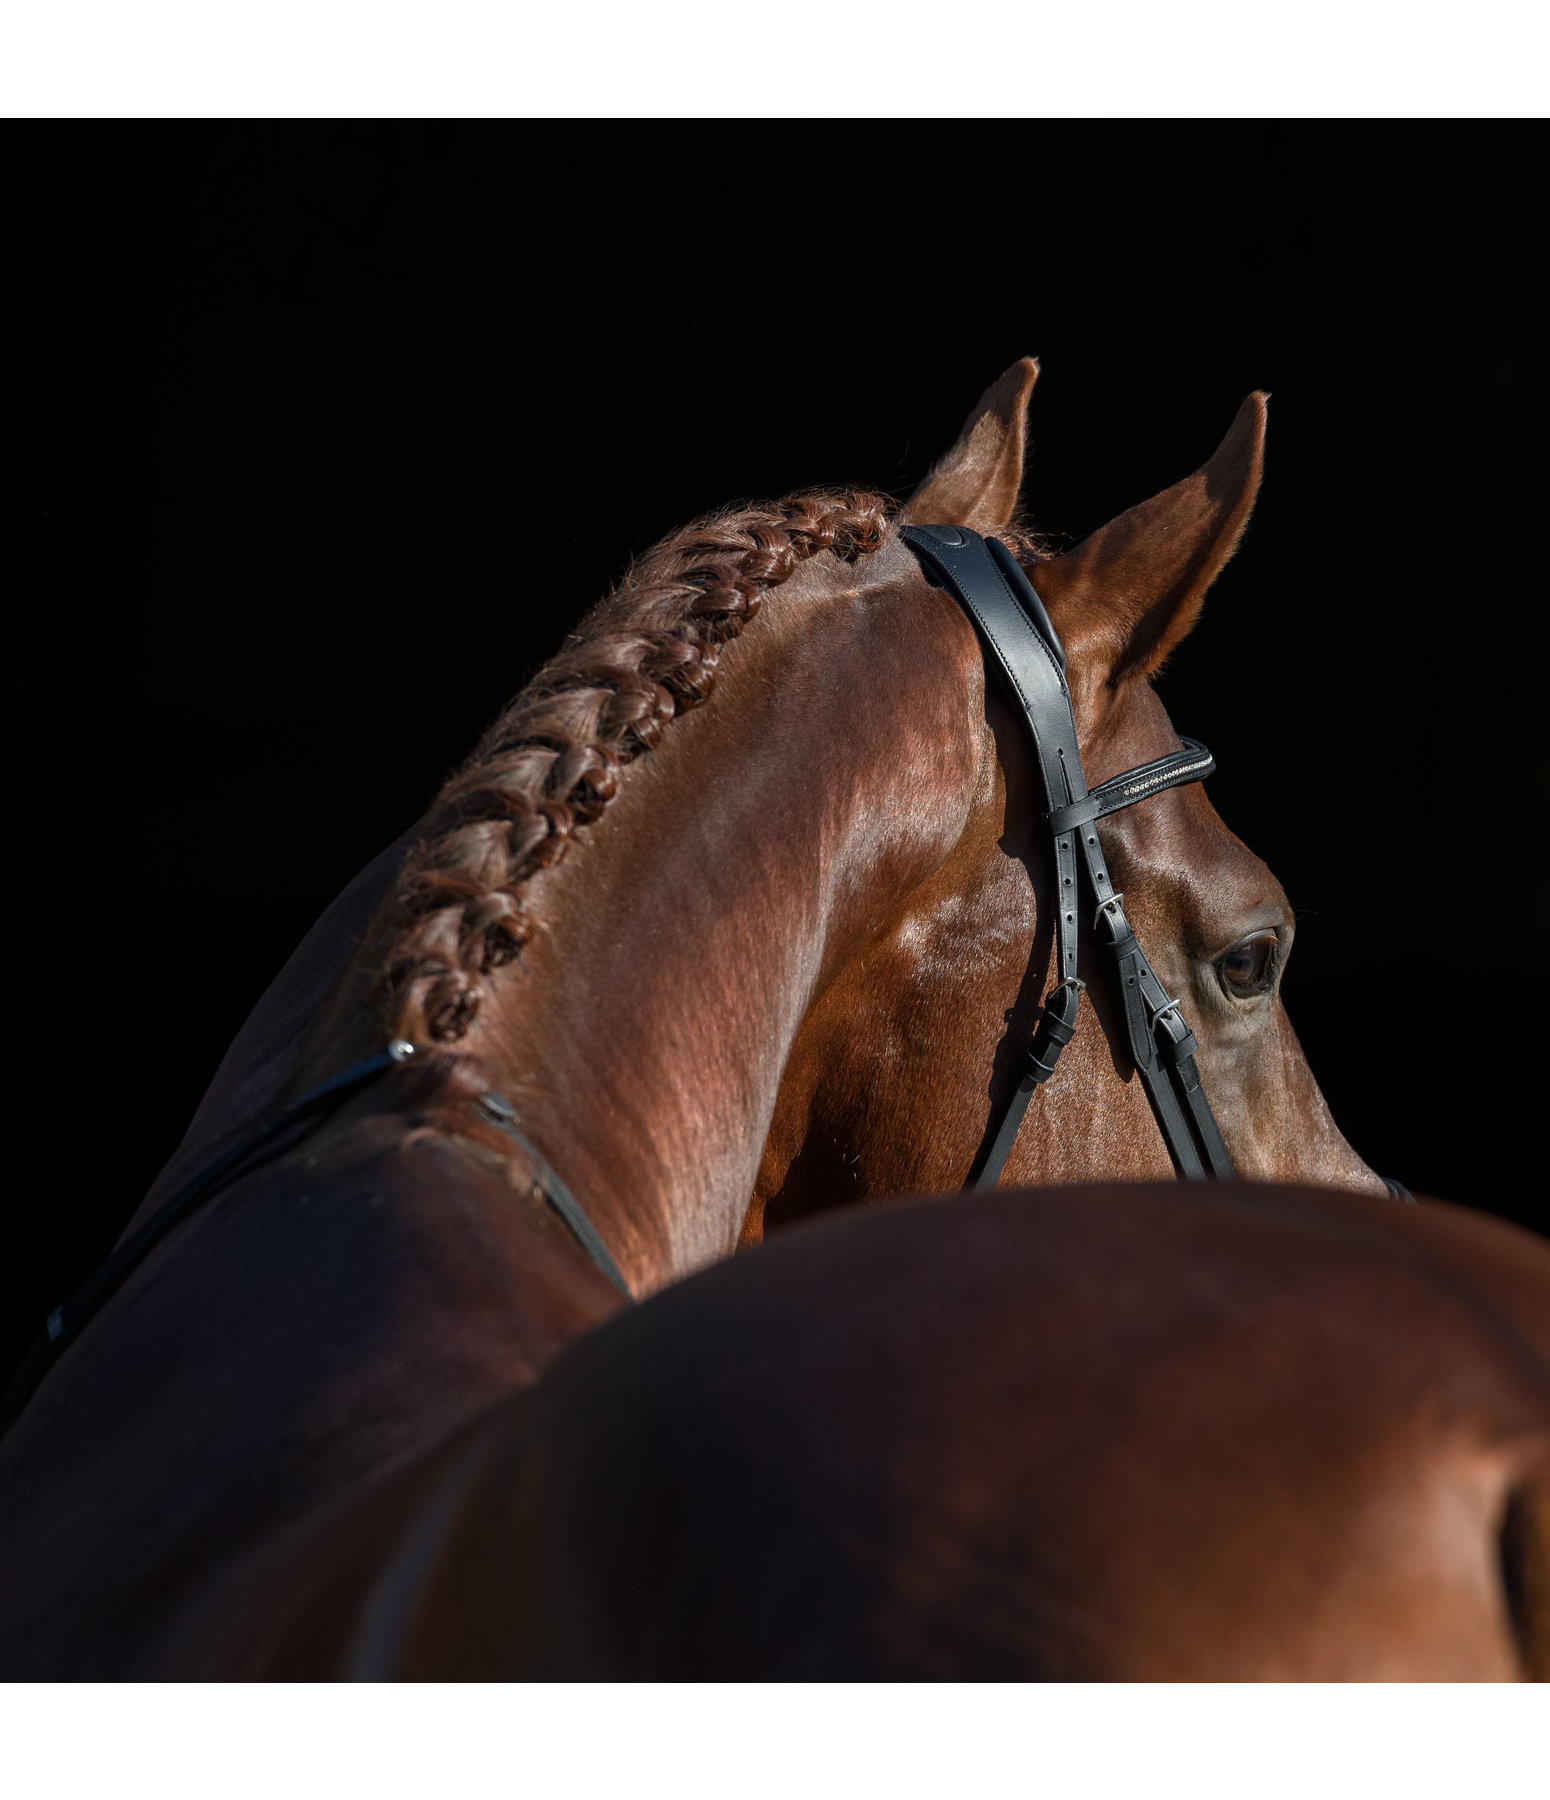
{"x": 550, "y": 763}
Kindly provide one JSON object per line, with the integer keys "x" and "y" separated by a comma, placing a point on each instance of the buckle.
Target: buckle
{"x": 1071, "y": 981}
{"x": 1104, "y": 905}
{"x": 1159, "y": 1013}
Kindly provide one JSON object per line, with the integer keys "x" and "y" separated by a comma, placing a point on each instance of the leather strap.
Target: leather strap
{"x": 500, "y": 1113}
{"x": 1193, "y": 763}
{"x": 66, "y": 1322}
{"x": 1025, "y": 650}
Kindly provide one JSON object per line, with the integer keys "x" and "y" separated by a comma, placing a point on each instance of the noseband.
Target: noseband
{"x": 985, "y": 579}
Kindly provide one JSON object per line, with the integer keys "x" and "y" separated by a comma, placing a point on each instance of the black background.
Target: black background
{"x": 328, "y": 432}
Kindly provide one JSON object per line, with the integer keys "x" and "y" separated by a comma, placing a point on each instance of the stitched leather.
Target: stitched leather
{"x": 1193, "y": 763}
{"x": 1024, "y": 648}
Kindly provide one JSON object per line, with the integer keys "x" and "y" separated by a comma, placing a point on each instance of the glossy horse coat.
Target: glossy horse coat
{"x": 722, "y": 912}
{"x": 1114, "y": 1433}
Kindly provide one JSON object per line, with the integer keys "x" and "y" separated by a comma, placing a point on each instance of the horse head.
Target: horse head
{"x": 897, "y": 1070}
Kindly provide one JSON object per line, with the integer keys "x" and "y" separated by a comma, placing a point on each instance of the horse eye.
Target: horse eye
{"x": 1249, "y": 968}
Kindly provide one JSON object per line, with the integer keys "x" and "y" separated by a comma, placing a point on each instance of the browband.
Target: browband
{"x": 1024, "y": 648}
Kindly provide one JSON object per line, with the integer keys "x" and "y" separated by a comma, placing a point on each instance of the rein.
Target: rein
{"x": 66, "y": 1322}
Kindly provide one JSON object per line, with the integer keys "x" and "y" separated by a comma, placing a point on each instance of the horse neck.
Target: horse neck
{"x": 949, "y": 1000}
{"x": 642, "y": 1034}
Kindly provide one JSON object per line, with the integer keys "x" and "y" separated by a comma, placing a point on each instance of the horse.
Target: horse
{"x": 738, "y": 909}
{"x": 1203, "y": 1432}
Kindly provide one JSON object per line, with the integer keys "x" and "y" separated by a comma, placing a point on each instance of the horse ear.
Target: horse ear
{"x": 976, "y": 483}
{"x": 1133, "y": 590}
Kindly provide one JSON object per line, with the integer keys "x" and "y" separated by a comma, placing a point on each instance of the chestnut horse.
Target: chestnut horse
{"x": 718, "y": 914}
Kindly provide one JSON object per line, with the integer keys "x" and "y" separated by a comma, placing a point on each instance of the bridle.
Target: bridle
{"x": 987, "y": 582}
{"x": 1025, "y": 650}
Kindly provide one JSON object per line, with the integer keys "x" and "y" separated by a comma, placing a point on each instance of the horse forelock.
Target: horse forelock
{"x": 550, "y": 763}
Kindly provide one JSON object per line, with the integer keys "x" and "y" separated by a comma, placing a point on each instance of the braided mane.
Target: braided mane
{"x": 551, "y": 761}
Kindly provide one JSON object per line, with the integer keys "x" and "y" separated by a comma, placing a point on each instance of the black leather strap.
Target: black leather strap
{"x": 1193, "y": 763}
{"x": 1163, "y": 1049}
{"x": 1025, "y": 650}
{"x": 66, "y": 1322}
{"x": 499, "y": 1111}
